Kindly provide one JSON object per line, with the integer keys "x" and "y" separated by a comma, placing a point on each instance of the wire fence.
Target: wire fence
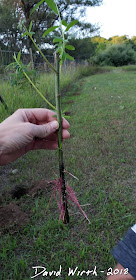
{"x": 6, "y": 58}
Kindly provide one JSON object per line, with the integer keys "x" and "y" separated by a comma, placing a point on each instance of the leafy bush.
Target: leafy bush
{"x": 16, "y": 76}
{"x": 115, "y": 55}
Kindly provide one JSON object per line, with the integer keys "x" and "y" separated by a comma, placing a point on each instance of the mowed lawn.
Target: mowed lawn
{"x": 101, "y": 153}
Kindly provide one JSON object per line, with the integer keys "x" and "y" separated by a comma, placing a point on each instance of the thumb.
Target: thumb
{"x": 45, "y": 130}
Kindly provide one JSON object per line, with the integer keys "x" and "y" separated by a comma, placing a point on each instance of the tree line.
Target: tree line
{"x": 13, "y": 12}
{"x": 117, "y": 50}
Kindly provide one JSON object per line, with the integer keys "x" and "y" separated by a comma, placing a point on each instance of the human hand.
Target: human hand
{"x": 29, "y": 129}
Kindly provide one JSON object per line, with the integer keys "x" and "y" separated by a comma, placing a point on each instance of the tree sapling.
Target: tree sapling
{"x": 60, "y": 56}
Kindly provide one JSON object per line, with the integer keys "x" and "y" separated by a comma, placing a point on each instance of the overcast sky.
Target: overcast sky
{"x": 115, "y": 17}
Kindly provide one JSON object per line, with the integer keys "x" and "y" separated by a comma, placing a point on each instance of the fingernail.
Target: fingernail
{"x": 55, "y": 125}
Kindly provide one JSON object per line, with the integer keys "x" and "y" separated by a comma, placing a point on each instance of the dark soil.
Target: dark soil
{"x": 19, "y": 191}
{"x": 11, "y": 215}
{"x": 40, "y": 187}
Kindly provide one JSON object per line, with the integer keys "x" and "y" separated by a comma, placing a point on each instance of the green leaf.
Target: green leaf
{"x": 25, "y": 33}
{"x": 67, "y": 117}
{"x": 65, "y": 110}
{"x": 31, "y": 33}
{"x": 63, "y": 56}
{"x": 58, "y": 50}
{"x": 8, "y": 66}
{"x": 69, "y": 56}
{"x": 64, "y": 22}
{"x": 30, "y": 26}
{"x": 52, "y": 5}
{"x": 52, "y": 28}
{"x": 72, "y": 23}
{"x": 57, "y": 39}
{"x": 18, "y": 56}
{"x": 70, "y": 47}
{"x": 39, "y": 3}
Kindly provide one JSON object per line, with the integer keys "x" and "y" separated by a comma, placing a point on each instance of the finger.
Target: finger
{"x": 65, "y": 134}
{"x": 42, "y": 131}
{"x": 41, "y": 116}
{"x": 36, "y": 115}
{"x": 65, "y": 123}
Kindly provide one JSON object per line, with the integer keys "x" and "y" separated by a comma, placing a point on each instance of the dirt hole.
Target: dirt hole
{"x": 11, "y": 215}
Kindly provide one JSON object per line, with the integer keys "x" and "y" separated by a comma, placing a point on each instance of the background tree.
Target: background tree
{"x": 84, "y": 48}
{"x": 133, "y": 43}
{"x": 19, "y": 10}
{"x": 100, "y": 43}
{"x": 119, "y": 40}
{"x": 115, "y": 55}
{"x": 9, "y": 35}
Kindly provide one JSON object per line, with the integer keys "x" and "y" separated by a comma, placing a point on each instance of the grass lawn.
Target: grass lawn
{"x": 101, "y": 153}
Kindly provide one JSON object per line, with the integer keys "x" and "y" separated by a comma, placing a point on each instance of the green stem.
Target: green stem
{"x": 59, "y": 117}
{"x": 38, "y": 91}
{"x": 62, "y": 32}
{"x": 39, "y": 50}
{"x": 42, "y": 54}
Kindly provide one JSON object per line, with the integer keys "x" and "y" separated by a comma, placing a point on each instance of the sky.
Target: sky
{"x": 115, "y": 17}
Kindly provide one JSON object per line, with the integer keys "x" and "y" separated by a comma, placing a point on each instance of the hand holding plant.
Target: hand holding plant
{"x": 29, "y": 129}
{"x": 60, "y": 56}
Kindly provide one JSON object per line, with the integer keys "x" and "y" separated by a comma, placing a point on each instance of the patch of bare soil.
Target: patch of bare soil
{"x": 117, "y": 122}
{"x": 19, "y": 191}
{"x": 11, "y": 214}
{"x": 40, "y": 187}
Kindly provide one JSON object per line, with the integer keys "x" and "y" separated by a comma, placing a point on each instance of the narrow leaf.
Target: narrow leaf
{"x": 64, "y": 22}
{"x": 30, "y": 26}
{"x": 69, "y": 56}
{"x": 63, "y": 56}
{"x": 65, "y": 110}
{"x": 70, "y": 47}
{"x": 58, "y": 50}
{"x": 18, "y": 56}
{"x": 15, "y": 57}
{"x": 25, "y": 33}
{"x": 57, "y": 39}
{"x": 31, "y": 33}
{"x": 72, "y": 23}
{"x": 52, "y": 28}
{"x": 8, "y": 66}
{"x": 67, "y": 117}
{"x": 52, "y": 5}
{"x": 39, "y": 3}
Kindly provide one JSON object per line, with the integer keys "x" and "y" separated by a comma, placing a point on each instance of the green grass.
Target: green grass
{"x": 101, "y": 153}
{"x": 17, "y": 93}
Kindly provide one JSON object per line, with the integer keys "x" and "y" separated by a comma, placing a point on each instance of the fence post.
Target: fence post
{"x": 31, "y": 59}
